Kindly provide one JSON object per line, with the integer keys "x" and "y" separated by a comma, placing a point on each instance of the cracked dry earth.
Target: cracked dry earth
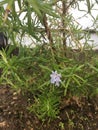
{"x": 75, "y": 113}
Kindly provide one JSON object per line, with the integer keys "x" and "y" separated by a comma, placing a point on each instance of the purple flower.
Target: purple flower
{"x": 55, "y": 78}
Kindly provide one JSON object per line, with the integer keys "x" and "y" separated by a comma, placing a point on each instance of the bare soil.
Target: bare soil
{"x": 75, "y": 113}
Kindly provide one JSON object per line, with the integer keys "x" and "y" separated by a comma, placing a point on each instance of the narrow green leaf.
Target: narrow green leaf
{"x": 88, "y": 5}
{"x": 44, "y": 67}
{"x": 19, "y": 4}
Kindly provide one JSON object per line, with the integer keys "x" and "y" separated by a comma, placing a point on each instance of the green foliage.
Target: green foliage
{"x": 11, "y": 68}
{"x": 30, "y": 72}
{"x": 25, "y": 17}
{"x": 53, "y": 30}
{"x": 46, "y": 105}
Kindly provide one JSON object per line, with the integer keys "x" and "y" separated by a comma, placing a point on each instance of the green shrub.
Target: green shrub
{"x": 48, "y": 78}
{"x": 52, "y": 69}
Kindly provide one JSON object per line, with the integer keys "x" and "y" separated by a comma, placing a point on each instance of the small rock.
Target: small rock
{"x": 15, "y": 98}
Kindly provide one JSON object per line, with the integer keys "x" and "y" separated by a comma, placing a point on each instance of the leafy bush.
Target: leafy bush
{"x": 47, "y": 104}
{"x": 52, "y": 68}
{"x": 48, "y": 79}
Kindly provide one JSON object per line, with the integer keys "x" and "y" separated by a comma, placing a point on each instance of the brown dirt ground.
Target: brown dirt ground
{"x": 75, "y": 114}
